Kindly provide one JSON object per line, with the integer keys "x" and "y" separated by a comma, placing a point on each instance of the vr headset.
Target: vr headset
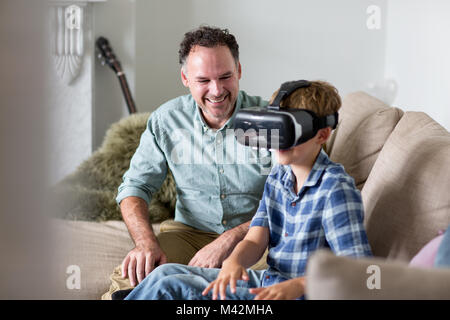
{"x": 276, "y": 127}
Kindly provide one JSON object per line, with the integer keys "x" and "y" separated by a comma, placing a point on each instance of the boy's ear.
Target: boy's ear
{"x": 323, "y": 135}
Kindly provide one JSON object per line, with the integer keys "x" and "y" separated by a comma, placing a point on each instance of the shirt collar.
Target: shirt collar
{"x": 228, "y": 124}
{"x": 317, "y": 170}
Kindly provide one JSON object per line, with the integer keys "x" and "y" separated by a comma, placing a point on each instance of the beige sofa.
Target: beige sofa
{"x": 399, "y": 161}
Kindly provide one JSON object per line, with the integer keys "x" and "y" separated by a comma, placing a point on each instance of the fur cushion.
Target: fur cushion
{"x": 89, "y": 193}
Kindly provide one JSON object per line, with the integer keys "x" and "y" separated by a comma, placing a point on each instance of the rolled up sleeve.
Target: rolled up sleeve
{"x": 148, "y": 166}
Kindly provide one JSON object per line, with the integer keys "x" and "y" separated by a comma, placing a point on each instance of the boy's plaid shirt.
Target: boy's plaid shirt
{"x": 327, "y": 212}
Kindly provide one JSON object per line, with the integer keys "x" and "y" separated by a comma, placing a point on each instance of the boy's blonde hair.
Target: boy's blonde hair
{"x": 320, "y": 97}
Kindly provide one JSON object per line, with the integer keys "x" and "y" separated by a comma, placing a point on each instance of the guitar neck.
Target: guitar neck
{"x": 126, "y": 92}
{"x": 109, "y": 58}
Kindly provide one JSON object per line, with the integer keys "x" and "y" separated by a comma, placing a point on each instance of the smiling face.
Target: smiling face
{"x": 212, "y": 75}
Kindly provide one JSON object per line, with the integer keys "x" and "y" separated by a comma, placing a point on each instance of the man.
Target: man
{"x": 219, "y": 182}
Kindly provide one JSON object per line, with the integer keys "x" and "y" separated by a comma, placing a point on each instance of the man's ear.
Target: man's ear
{"x": 239, "y": 71}
{"x": 184, "y": 79}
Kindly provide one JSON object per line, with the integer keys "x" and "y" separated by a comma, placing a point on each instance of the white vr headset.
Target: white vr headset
{"x": 278, "y": 127}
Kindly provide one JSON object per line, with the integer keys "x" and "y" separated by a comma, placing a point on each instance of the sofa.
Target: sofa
{"x": 399, "y": 161}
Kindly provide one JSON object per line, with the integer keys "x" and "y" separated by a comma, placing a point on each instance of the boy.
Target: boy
{"x": 308, "y": 203}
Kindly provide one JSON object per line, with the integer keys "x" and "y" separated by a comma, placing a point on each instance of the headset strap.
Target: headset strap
{"x": 286, "y": 89}
{"x": 290, "y": 86}
{"x": 328, "y": 121}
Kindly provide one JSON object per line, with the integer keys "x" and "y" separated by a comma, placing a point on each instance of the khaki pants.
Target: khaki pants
{"x": 180, "y": 243}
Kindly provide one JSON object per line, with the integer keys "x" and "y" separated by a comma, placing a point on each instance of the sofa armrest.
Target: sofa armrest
{"x": 332, "y": 277}
{"x": 95, "y": 248}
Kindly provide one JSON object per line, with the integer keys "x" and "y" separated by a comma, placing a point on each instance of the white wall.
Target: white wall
{"x": 160, "y": 25}
{"x": 418, "y": 56}
{"x": 114, "y": 20}
{"x": 314, "y": 40}
{"x": 279, "y": 41}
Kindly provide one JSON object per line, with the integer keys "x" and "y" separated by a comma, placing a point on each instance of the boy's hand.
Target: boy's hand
{"x": 286, "y": 290}
{"x": 230, "y": 273}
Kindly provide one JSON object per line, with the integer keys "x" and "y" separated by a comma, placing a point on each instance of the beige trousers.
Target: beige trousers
{"x": 180, "y": 243}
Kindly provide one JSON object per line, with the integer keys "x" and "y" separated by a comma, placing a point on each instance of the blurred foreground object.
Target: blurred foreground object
{"x": 25, "y": 243}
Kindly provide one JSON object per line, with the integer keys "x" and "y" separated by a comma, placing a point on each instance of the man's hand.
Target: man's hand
{"x": 147, "y": 254}
{"x": 229, "y": 274}
{"x": 286, "y": 290}
{"x": 140, "y": 261}
{"x": 213, "y": 254}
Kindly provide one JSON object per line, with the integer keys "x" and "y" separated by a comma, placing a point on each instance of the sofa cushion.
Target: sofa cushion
{"x": 364, "y": 125}
{"x": 332, "y": 277}
{"x": 406, "y": 196}
{"x": 95, "y": 248}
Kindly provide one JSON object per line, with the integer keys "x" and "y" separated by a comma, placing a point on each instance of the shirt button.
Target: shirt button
{"x": 221, "y": 170}
{"x": 224, "y": 222}
{"x": 222, "y": 196}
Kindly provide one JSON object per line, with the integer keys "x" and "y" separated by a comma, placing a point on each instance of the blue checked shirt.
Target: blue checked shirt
{"x": 326, "y": 212}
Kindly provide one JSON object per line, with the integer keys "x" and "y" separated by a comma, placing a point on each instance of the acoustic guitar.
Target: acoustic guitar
{"x": 107, "y": 56}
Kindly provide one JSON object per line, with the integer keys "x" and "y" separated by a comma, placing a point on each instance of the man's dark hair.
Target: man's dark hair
{"x": 209, "y": 37}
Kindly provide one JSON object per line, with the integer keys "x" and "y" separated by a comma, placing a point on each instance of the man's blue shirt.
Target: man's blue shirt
{"x": 218, "y": 182}
{"x": 326, "y": 212}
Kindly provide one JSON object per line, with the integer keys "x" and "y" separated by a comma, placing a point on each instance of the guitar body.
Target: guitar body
{"x": 108, "y": 57}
